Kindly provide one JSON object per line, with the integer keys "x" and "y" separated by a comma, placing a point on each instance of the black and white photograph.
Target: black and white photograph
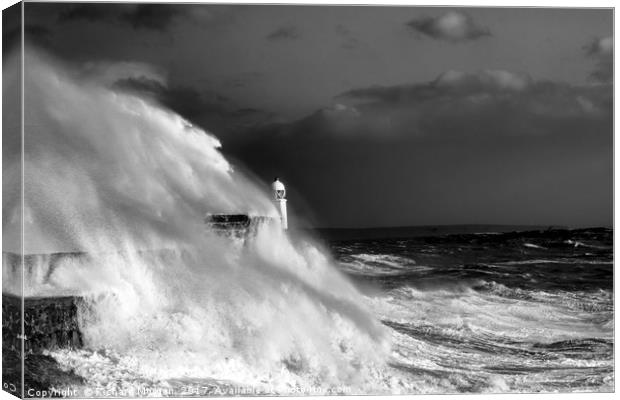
{"x": 239, "y": 200}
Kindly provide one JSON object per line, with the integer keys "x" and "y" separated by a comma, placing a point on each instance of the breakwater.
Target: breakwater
{"x": 48, "y": 323}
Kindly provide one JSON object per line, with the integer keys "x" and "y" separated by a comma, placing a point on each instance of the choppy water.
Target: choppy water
{"x": 518, "y": 312}
{"x": 476, "y": 313}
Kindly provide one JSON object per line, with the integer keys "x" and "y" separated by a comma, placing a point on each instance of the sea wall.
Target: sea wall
{"x": 50, "y": 322}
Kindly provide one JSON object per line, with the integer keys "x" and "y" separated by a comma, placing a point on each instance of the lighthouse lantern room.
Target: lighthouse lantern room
{"x": 279, "y": 193}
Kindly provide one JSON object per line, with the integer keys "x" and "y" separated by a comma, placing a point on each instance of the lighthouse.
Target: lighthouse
{"x": 279, "y": 193}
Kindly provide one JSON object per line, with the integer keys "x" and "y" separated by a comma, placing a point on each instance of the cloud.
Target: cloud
{"x": 349, "y": 41}
{"x": 448, "y": 83}
{"x": 109, "y": 73}
{"x": 34, "y": 34}
{"x": 485, "y": 80}
{"x": 463, "y": 135}
{"x": 493, "y": 102}
{"x": 285, "y": 33}
{"x": 601, "y": 47}
{"x": 452, "y": 26}
{"x": 601, "y": 50}
{"x": 209, "y": 109}
{"x": 189, "y": 102}
{"x": 38, "y": 32}
{"x": 486, "y": 103}
{"x": 89, "y": 12}
{"x": 155, "y": 17}
{"x": 243, "y": 79}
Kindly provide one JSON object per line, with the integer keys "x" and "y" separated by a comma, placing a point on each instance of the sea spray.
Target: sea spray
{"x": 123, "y": 185}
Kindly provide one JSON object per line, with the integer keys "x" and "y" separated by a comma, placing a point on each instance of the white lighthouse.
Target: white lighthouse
{"x": 279, "y": 193}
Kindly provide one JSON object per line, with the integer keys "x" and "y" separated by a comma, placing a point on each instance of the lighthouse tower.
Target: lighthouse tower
{"x": 279, "y": 193}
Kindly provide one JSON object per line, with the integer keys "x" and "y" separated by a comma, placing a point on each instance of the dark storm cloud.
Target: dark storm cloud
{"x": 187, "y": 101}
{"x": 491, "y": 102}
{"x": 208, "y": 109}
{"x": 448, "y": 82}
{"x": 147, "y": 16}
{"x": 452, "y": 26}
{"x": 459, "y": 148}
{"x": 285, "y": 32}
{"x": 600, "y": 47}
{"x": 601, "y": 50}
{"x": 11, "y": 29}
{"x": 243, "y": 80}
{"x": 349, "y": 41}
{"x": 34, "y": 34}
{"x": 38, "y": 32}
{"x": 152, "y": 16}
{"x": 90, "y": 12}
{"x": 155, "y": 17}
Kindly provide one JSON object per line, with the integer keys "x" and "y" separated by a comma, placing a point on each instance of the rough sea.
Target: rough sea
{"x": 493, "y": 312}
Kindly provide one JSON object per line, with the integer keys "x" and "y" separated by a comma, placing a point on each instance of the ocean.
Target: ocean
{"x": 514, "y": 312}
{"x": 493, "y": 312}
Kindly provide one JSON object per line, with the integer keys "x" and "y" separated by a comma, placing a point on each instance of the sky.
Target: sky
{"x": 376, "y": 116}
